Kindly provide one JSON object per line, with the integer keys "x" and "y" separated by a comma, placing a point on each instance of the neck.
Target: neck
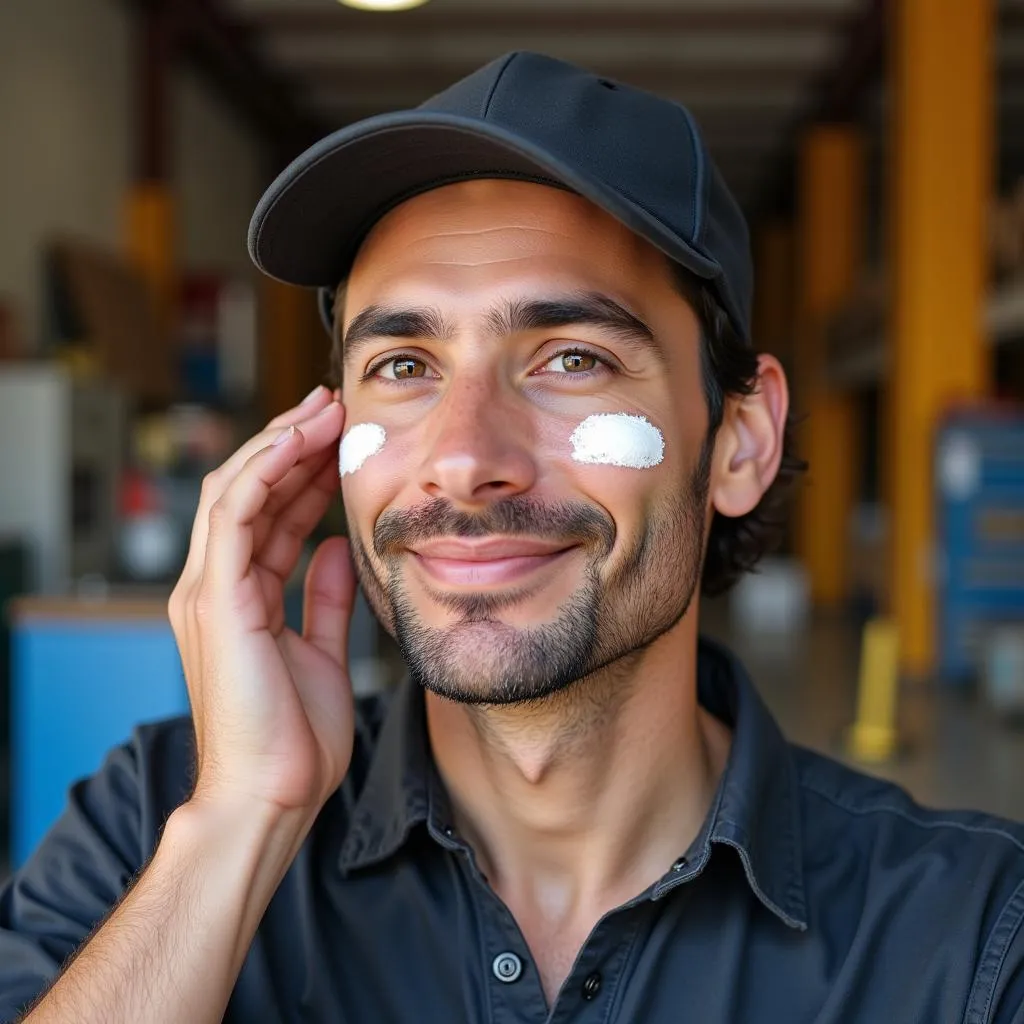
{"x": 579, "y": 802}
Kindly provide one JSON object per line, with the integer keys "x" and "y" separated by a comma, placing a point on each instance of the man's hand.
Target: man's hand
{"x": 272, "y": 709}
{"x": 274, "y": 728}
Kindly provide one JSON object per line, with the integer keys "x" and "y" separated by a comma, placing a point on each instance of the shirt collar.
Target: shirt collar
{"x": 396, "y": 794}
{"x": 757, "y": 806}
{"x": 756, "y": 809}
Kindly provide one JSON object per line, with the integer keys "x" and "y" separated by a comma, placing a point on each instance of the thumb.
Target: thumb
{"x": 329, "y": 596}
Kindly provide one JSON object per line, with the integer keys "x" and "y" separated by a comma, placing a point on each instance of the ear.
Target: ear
{"x": 748, "y": 447}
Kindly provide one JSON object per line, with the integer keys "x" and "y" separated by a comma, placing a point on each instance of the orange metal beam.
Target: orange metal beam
{"x": 831, "y": 230}
{"x": 941, "y": 76}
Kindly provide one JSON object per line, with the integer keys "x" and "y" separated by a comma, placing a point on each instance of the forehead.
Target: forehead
{"x": 482, "y": 232}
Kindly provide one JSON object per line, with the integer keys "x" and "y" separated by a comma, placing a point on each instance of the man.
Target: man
{"x": 554, "y": 433}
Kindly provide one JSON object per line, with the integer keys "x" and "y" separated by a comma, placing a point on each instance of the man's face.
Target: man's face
{"x": 509, "y": 550}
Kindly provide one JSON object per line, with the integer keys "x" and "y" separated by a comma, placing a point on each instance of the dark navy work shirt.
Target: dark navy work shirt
{"x": 812, "y": 894}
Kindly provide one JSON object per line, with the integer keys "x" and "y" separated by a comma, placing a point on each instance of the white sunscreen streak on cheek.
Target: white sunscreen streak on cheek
{"x": 362, "y": 441}
{"x": 618, "y": 439}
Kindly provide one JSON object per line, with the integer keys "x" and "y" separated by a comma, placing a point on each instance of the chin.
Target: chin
{"x": 492, "y": 662}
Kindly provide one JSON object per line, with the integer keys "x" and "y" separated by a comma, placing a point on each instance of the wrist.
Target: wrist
{"x": 236, "y": 844}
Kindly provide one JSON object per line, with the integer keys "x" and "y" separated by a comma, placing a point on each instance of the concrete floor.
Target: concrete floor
{"x": 955, "y": 752}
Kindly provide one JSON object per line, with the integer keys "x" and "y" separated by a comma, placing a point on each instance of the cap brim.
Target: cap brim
{"x": 313, "y": 218}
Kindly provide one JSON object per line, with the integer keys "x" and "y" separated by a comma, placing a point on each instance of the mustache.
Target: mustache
{"x": 569, "y": 521}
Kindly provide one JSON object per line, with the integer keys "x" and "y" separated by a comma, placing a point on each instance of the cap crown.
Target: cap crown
{"x": 647, "y": 148}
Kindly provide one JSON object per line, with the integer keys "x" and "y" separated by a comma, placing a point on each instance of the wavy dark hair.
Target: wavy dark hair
{"x": 729, "y": 367}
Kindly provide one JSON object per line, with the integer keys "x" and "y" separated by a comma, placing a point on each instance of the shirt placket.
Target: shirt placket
{"x": 515, "y": 992}
{"x": 517, "y": 996}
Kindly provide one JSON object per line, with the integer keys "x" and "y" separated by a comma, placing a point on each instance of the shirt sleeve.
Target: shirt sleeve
{"x": 1000, "y": 981}
{"x": 1010, "y": 1006}
{"x": 72, "y": 880}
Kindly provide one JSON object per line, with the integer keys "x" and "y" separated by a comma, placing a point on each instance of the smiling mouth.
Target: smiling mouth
{"x": 487, "y": 562}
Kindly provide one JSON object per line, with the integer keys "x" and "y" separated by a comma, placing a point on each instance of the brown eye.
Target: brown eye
{"x": 578, "y": 362}
{"x": 404, "y": 368}
{"x": 573, "y": 362}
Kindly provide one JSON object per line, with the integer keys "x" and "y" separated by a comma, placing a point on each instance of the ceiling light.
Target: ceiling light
{"x": 383, "y": 5}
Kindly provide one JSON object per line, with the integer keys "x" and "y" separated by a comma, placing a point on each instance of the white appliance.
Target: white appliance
{"x": 62, "y": 445}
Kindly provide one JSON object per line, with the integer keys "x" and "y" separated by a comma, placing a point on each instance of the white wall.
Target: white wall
{"x": 66, "y": 145}
{"x": 65, "y": 79}
{"x": 35, "y": 451}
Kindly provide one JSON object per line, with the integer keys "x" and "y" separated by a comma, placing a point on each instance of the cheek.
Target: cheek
{"x": 618, "y": 461}
{"x": 374, "y": 467}
{"x": 359, "y": 443}
{"x": 623, "y": 440}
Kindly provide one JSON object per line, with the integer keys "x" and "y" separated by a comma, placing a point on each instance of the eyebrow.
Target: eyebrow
{"x": 511, "y": 316}
{"x": 390, "y": 322}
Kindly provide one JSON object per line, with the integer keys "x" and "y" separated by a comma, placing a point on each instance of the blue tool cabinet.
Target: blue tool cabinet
{"x": 979, "y": 490}
{"x": 80, "y": 683}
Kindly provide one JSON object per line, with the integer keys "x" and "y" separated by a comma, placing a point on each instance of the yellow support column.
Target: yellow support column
{"x": 294, "y": 349}
{"x": 151, "y": 244}
{"x": 941, "y": 61}
{"x": 829, "y": 258}
{"x": 149, "y": 212}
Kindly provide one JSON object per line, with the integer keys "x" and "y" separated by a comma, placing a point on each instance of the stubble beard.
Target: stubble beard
{"x": 480, "y": 659}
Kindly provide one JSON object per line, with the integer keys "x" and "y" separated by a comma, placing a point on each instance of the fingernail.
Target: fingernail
{"x": 313, "y": 394}
{"x": 326, "y": 409}
{"x": 282, "y": 437}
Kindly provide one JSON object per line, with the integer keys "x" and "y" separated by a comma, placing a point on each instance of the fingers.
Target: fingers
{"x": 230, "y": 547}
{"x": 285, "y": 533}
{"x": 320, "y": 418}
{"x": 320, "y": 421}
{"x": 329, "y": 596}
{"x": 311, "y": 406}
{"x": 306, "y": 470}
{"x": 320, "y": 429}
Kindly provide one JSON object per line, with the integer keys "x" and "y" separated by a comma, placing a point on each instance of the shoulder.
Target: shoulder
{"x": 151, "y": 774}
{"x": 131, "y": 794}
{"x": 861, "y": 804}
{"x": 143, "y": 780}
{"x": 105, "y": 834}
{"x": 940, "y": 890}
{"x": 160, "y": 758}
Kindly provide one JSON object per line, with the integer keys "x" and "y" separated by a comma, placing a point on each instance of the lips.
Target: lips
{"x": 485, "y": 561}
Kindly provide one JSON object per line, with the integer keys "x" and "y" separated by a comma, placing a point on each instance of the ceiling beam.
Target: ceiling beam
{"x": 223, "y": 50}
{"x": 155, "y": 46}
{"x": 629, "y": 19}
{"x": 760, "y": 125}
{"x": 422, "y": 79}
{"x": 840, "y": 92}
{"x": 1010, "y": 16}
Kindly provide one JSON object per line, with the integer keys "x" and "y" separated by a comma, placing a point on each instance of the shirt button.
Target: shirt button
{"x": 592, "y": 985}
{"x": 507, "y": 967}
{"x": 679, "y": 864}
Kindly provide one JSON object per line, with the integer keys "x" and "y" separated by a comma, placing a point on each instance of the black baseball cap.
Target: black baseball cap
{"x": 528, "y": 117}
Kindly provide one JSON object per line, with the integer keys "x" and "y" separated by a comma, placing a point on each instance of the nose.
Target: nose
{"x": 477, "y": 453}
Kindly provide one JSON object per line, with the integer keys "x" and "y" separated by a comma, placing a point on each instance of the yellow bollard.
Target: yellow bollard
{"x": 873, "y": 735}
